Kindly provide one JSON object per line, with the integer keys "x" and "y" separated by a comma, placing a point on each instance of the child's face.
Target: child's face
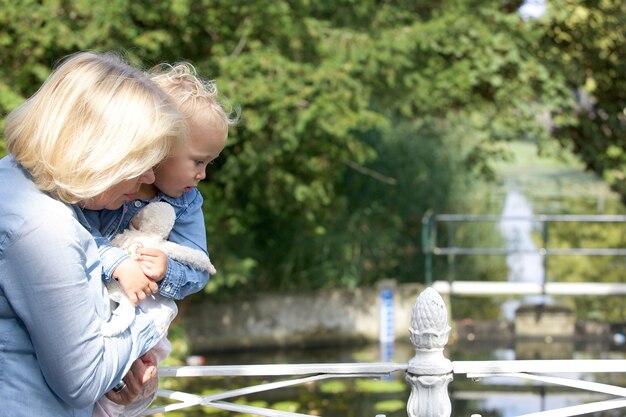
{"x": 183, "y": 171}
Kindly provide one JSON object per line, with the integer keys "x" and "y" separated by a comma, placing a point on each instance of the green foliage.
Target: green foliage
{"x": 585, "y": 41}
{"x": 289, "y": 406}
{"x": 333, "y": 387}
{"x": 356, "y": 116}
{"x": 380, "y": 386}
{"x": 368, "y": 229}
{"x": 390, "y": 405}
{"x": 589, "y": 268}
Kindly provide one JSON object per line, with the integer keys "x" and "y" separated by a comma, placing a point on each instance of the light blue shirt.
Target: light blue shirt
{"x": 180, "y": 279}
{"x": 54, "y": 360}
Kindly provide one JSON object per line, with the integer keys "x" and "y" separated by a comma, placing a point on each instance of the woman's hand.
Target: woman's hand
{"x": 142, "y": 380}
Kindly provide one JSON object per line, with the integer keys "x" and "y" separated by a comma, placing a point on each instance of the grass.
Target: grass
{"x": 555, "y": 181}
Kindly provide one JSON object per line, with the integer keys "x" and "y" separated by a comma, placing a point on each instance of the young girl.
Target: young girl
{"x": 175, "y": 182}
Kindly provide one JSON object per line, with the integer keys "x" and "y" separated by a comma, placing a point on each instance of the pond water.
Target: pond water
{"x": 340, "y": 397}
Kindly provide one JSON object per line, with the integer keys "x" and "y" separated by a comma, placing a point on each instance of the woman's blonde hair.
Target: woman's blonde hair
{"x": 193, "y": 95}
{"x": 95, "y": 122}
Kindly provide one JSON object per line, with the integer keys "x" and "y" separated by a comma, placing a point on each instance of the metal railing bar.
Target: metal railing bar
{"x": 241, "y": 408}
{"x": 191, "y": 399}
{"x": 186, "y": 400}
{"x": 567, "y": 382}
{"x": 587, "y": 218}
{"x": 529, "y": 288}
{"x": 540, "y": 366}
{"x": 280, "y": 384}
{"x": 528, "y": 393}
{"x": 578, "y": 410}
{"x": 538, "y": 251}
{"x": 382, "y": 368}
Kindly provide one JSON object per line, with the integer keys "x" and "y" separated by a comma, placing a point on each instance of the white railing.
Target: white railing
{"x": 483, "y": 288}
{"x": 428, "y": 374}
{"x": 307, "y": 373}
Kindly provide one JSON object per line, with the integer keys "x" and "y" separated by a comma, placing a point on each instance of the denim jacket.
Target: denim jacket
{"x": 54, "y": 360}
{"x": 180, "y": 280}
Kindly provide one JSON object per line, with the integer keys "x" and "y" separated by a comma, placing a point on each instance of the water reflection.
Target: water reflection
{"x": 508, "y": 397}
{"x": 491, "y": 397}
{"x": 523, "y": 266}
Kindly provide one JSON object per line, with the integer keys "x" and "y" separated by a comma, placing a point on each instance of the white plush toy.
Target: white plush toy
{"x": 150, "y": 228}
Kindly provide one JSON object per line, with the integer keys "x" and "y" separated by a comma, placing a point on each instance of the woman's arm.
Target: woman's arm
{"x": 56, "y": 290}
{"x": 116, "y": 262}
{"x": 111, "y": 256}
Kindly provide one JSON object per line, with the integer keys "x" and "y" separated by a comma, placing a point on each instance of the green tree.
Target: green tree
{"x": 585, "y": 42}
{"x": 356, "y": 116}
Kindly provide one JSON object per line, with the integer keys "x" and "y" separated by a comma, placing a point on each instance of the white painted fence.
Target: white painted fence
{"x": 428, "y": 374}
{"x": 483, "y": 288}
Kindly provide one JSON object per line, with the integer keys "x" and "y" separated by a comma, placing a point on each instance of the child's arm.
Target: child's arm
{"x": 180, "y": 279}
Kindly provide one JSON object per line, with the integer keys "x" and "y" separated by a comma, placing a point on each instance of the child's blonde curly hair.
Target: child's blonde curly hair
{"x": 192, "y": 94}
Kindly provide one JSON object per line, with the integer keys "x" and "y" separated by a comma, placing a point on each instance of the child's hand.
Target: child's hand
{"x": 133, "y": 281}
{"x": 153, "y": 263}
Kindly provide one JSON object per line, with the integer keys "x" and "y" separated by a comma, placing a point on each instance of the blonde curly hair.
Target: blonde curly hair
{"x": 193, "y": 95}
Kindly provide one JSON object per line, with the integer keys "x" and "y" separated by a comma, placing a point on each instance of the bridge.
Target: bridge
{"x": 428, "y": 374}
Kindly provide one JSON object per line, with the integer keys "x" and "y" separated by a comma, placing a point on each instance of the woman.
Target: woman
{"x": 88, "y": 138}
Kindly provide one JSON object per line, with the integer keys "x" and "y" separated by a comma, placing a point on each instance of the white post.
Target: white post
{"x": 429, "y": 372}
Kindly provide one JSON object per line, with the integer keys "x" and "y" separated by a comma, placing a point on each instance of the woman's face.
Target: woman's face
{"x": 113, "y": 198}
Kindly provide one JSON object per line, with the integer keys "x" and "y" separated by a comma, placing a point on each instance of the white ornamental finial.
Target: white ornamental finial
{"x": 429, "y": 372}
{"x": 429, "y": 325}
